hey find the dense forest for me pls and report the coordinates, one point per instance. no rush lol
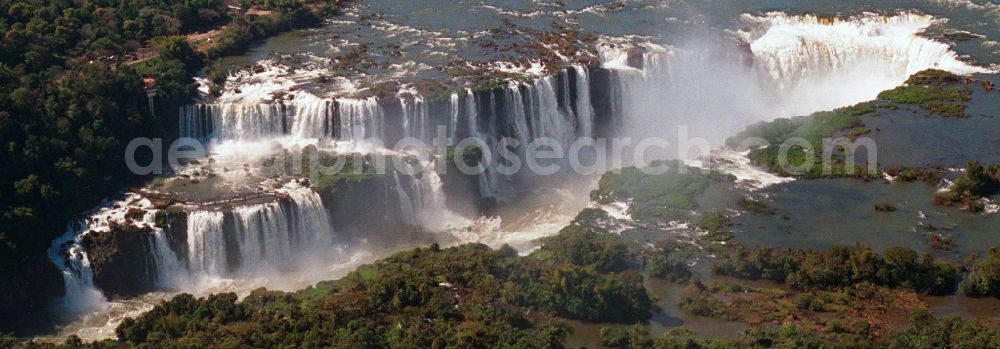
(896, 267)
(64, 134)
(471, 296)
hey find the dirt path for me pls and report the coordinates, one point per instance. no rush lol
(190, 38)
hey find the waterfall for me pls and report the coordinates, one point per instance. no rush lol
(169, 270)
(516, 116)
(624, 85)
(263, 234)
(237, 121)
(546, 118)
(306, 116)
(310, 117)
(488, 187)
(416, 122)
(195, 121)
(433, 212)
(360, 119)
(423, 201)
(218, 243)
(797, 48)
(406, 205)
(67, 253)
(271, 234)
(584, 108)
(454, 107)
(819, 64)
(472, 113)
(790, 65)
(206, 243)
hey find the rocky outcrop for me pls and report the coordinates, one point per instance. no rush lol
(173, 221)
(121, 259)
(366, 208)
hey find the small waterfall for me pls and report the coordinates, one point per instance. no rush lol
(168, 268)
(546, 118)
(624, 83)
(416, 121)
(195, 121)
(206, 243)
(488, 186)
(68, 254)
(310, 117)
(516, 117)
(406, 205)
(455, 108)
(423, 200)
(433, 211)
(360, 119)
(584, 108)
(472, 112)
(491, 119)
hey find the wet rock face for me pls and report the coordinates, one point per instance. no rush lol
(602, 101)
(173, 221)
(463, 194)
(365, 209)
(120, 259)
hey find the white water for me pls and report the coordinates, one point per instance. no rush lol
(801, 64)
(832, 64)
(455, 108)
(416, 118)
(360, 119)
(546, 119)
(584, 108)
(81, 294)
(67, 252)
(206, 243)
(472, 113)
(268, 235)
(304, 117)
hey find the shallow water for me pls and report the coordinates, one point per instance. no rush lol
(912, 137)
(828, 212)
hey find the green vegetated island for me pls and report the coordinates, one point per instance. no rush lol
(63, 136)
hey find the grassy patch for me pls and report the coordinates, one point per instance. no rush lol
(656, 197)
(932, 90)
(801, 161)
